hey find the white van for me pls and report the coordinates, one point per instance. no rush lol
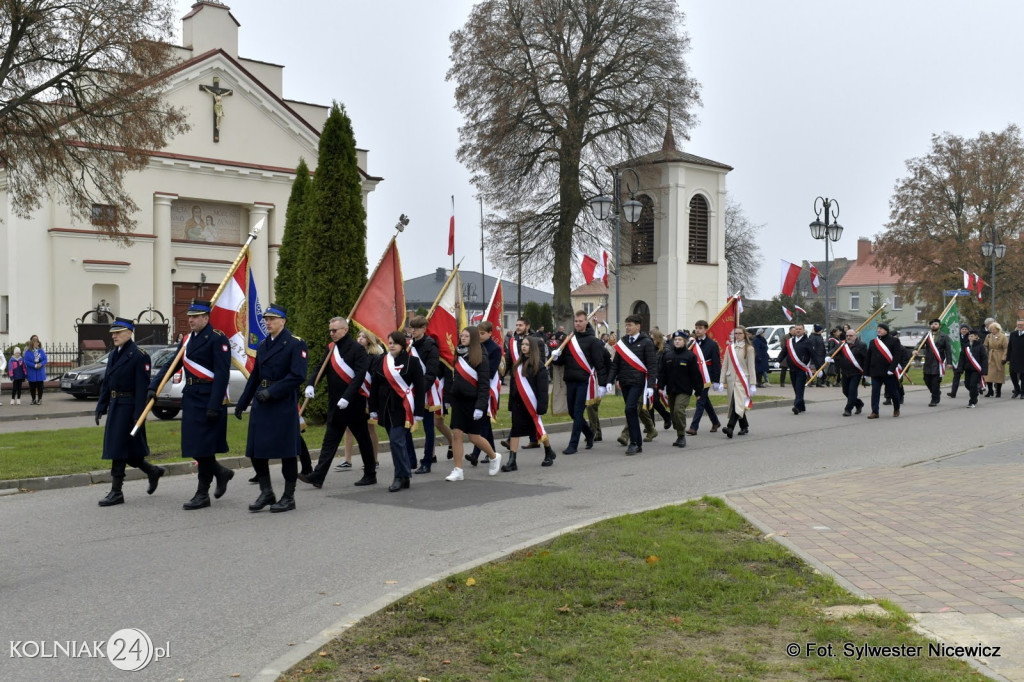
(775, 335)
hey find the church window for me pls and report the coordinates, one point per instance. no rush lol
(643, 233)
(698, 230)
(104, 215)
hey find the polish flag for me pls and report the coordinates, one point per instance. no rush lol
(815, 279)
(969, 279)
(451, 230)
(594, 269)
(796, 307)
(447, 317)
(979, 284)
(237, 312)
(789, 315)
(790, 273)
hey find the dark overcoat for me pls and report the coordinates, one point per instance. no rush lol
(122, 399)
(280, 368)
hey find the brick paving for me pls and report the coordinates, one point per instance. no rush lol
(932, 539)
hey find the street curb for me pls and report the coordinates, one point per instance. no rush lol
(241, 462)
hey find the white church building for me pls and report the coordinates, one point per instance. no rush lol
(674, 270)
(198, 197)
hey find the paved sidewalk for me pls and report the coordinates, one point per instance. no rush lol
(943, 540)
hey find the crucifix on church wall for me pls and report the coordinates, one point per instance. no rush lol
(218, 93)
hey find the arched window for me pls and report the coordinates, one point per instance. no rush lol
(643, 233)
(698, 230)
(644, 311)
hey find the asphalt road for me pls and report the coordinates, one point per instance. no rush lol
(233, 592)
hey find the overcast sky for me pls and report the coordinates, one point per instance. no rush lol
(801, 98)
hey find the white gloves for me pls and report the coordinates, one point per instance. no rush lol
(753, 390)
(609, 389)
(419, 419)
(648, 395)
(829, 360)
(310, 392)
(341, 403)
(600, 392)
(447, 406)
(889, 373)
(717, 387)
(555, 354)
(373, 416)
(478, 414)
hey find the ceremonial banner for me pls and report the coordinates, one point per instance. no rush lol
(381, 305)
(451, 230)
(494, 314)
(950, 324)
(445, 318)
(237, 312)
(723, 324)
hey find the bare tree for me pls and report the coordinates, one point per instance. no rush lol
(551, 89)
(741, 249)
(961, 193)
(80, 105)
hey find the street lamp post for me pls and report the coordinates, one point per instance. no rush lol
(830, 231)
(993, 250)
(604, 208)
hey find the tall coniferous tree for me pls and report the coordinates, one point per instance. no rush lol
(332, 264)
(288, 287)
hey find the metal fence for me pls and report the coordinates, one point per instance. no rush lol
(60, 357)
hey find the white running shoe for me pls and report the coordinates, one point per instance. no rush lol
(495, 465)
(455, 475)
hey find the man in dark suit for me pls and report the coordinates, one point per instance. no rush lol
(1015, 356)
(958, 369)
(123, 398)
(938, 354)
(204, 419)
(346, 405)
(798, 353)
(851, 360)
(281, 363)
(883, 363)
(818, 353)
(635, 366)
(583, 363)
(713, 361)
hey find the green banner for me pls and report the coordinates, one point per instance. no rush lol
(951, 326)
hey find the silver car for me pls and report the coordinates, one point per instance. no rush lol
(168, 401)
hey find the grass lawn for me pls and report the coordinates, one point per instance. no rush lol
(28, 454)
(688, 592)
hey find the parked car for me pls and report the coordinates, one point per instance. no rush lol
(84, 382)
(168, 401)
(775, 335)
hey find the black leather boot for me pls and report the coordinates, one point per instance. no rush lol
(549, 456)
(425, 465)
(398, 484)
(510, 465)
(114, 496)
(266, 494)
(153, 473)
(287, 501)
(202, 497)
(223, 475)
(369, 478)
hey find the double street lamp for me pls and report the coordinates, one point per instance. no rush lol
(993, 250)
(604, 207)
(830, 231)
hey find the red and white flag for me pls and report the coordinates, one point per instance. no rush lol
(790, 273)
(815, 279)
(796, 307)
(789, 315)
(594, 268)
(451, 230)
(494, 313)
(979, 284)
(445, 318)
(238, 314)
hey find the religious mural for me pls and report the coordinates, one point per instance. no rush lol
(200, 221)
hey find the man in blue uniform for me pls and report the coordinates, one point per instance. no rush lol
(123, 398)
(281, 363)
(204, 419)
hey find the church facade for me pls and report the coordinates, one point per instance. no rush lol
(673, 266)
(198, 197)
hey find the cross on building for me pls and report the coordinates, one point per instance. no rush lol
(218, 93)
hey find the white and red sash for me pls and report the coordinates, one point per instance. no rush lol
(937, 355)
(341, 368)
(794, 358)
(364, 390)
(530, 401)
(740, 375)
(513, 349)
(701, 362)
(494, 390)
(663, 398)
(399, 386)
(193, 366)
(887, 354)
(975, 364)
(849, 356)
(633, 361)
(466, 371)
(433, 398)
(581, 359)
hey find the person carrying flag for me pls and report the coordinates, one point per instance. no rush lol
(204, 418)
(884, 368)
(635, 368)
(585, 377)
(938, 355)
(709, 359)
(424, 348)
(798, 353)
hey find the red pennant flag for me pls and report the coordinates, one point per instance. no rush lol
(451, 230)
(723, 324)
(796, 307)
(494, 313)
(381, 306)
(790, 273)
(815, 280)
(789, 315)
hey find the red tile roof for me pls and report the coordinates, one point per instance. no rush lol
(864, 272)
